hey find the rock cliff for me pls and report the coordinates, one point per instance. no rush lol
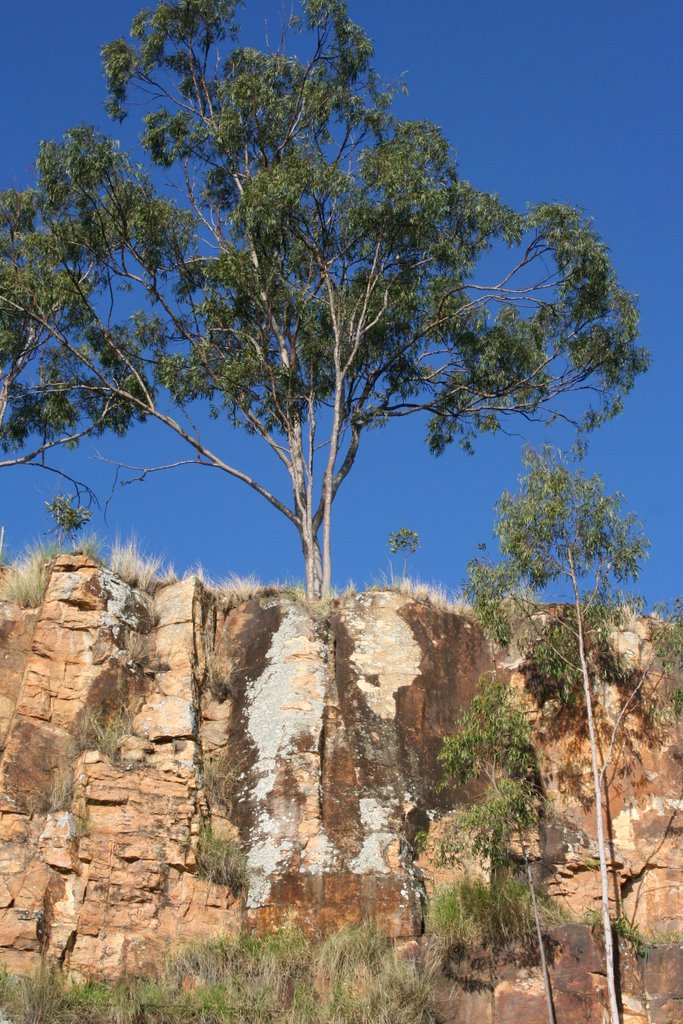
(309, 737)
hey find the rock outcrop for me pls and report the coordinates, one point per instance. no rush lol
(309, 738)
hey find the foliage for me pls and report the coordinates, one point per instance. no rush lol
(68, 517)
(221, 861)
(473, 912)
(26, 580)
(492, 740)
(555, 515)
(668, 639)
(318, 275)
(562, 528)
(406, 541)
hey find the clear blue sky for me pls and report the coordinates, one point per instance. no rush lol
(569, 102)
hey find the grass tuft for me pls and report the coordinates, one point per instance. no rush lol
(103, 730)
(26, 580)
(219, 680)
(62, 792)
(221, 861)
(145, 572)
(429, 593)
(221, 779)
(473, 913)
(90, 545)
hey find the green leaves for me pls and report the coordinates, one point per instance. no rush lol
(559, 523)
(304, 258)
(492, 741)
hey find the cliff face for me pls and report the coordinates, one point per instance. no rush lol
(310, 738)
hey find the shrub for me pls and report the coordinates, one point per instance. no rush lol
(221, 861)
(26, 580)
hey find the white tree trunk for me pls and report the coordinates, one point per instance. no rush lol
(599, 822)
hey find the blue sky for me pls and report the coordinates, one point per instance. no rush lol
(577, 103)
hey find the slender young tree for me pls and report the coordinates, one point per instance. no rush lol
(492, 741)
(308, 268)
(561, 528)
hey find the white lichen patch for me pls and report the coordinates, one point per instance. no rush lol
(120, 609)
(385, 653)
(284, 709)
(375, 819)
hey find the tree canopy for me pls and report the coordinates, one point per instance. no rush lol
(314, 271)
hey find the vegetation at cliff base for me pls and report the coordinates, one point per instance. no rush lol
(354, 977)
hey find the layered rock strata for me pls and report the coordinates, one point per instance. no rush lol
(309, 738)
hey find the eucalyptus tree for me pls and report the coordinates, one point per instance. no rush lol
(299, 261)
(562, 528)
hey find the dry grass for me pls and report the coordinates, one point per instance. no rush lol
(138, 649)
(90, 545)
(429, 593)
(219, 679)
(62, 792)
(353, 977)
(104, 730)
(221, 861)
(221, 779)
(145, 572)
(26, 580)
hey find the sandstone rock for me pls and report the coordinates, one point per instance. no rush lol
(312, 743)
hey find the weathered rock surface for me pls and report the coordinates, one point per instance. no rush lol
(324, 731)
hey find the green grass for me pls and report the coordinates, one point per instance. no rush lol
(473, 913)
(353, 977)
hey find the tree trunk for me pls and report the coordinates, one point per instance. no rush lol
(599, 824)
(313, 564)
(550, 1006)
(327, 544)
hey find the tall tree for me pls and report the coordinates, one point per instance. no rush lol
(561, 528)
(312, 274)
